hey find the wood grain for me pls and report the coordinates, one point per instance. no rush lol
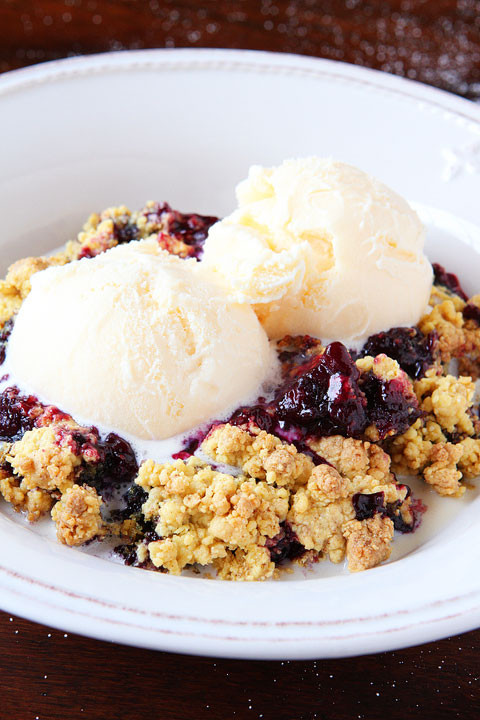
(48, 675)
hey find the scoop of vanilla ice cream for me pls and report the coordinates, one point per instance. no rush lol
(137, 340)
(321, 248)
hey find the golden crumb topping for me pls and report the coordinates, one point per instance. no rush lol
(262, 456)
(273, 499)
(354, 457)
(448, 399)
(200, 512)
(447, 322)
(441, 471)
(17, 284)
(77, 515)
(42, 462)
(368, 542)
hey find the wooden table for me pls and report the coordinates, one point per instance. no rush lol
(46, 674)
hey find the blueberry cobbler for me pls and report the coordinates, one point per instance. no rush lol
(286, 447)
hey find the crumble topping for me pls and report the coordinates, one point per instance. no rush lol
(34, 503)
(354, 457)
(17, 284)
(204, 516)
(448, 399)
(321, 512)
(330, 493)
(441, 446)
(201, 513)
(368, 542)
(252, 564)
(262, 456)
(77, 515)
(441, 471)
(447, 322)
(382, 367)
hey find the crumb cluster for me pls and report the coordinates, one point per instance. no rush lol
(208, 517)
(443, 445)
(305, 476)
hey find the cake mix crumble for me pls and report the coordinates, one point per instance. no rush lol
(305, 474)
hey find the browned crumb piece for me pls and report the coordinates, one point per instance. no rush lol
(328, 484)
(442, 473)
(77, 515)
(457, 329)
(309, 558)
(304, 344)
(10, 490)
(354, 457)
(193, 546)
(469, 366)
(424, 450)
(368, 542)
(447, 322)
(447, 403)
(150, 221)
(200, 514)
(262, 456)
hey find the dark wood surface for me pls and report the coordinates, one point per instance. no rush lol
(46, 674)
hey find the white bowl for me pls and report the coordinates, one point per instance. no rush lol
(184, 126)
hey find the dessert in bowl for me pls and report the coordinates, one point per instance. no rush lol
(251, 388)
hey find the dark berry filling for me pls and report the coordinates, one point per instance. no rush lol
(129, 553)
(125, 232)
(106, 463)
(86, 252)
(366, 505)
(472, 312)
(190, 445)
(448, 280)
(261, 415)
(393, 512)
(390, 405)
(18, 414)
(191, 228)
(413, 350)
(325, 397)
(285, 545)
(135, 497)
